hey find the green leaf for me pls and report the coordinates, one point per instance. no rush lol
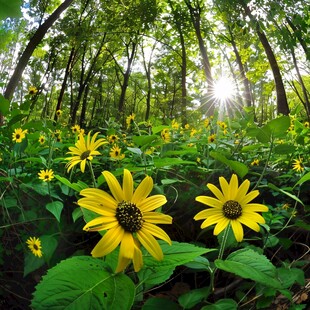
(248, 264)
(135, 150)
(76, 214)
(279, 126)
(143, 140)
(156, 303)
(55, 208)
(4, 103)
(289, 276)
(76, 186)
(10, 8)
(155, 272)
(272, 186)
(222, 304)
(284, 149)
(238, 167)
(82, 282)
(163, 162)
(193, 297)
(303, 179)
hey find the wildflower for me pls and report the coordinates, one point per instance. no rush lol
(150, 150)
(175, 124)
(306, 124)
(165, 135)
(193, 132)
(211, 138)
(46, 175)
(58, 113)
(115, 153)
(128, 217)
(113, 139)
(19, 134)
(84, 149)
(42, 139)
(298, 165)
(231, 207)
(76, 129)
(294, 213)
(255, 162)
(130, 119)
(32, 90)
(34, 244)
(206, 122)
(286, 206)
(186, 126)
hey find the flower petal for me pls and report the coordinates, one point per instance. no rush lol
(206, 213)
(150, 244)
(127, 246)
(247, 198)
(210, 201)
(220, 226)
(137, 257)
(242, 190)
(225, 188)
(156, 231)
(216, 218)
(101, 223)
(108, 242)
(249, 223)
(143, 190)
(233, 187)
(100, 196)
(82, 166)
(255, 207)
(252, 216)
(114, 186)
(237, 229)
(151, 203)
(127, 185)
(157, 218)
(218, 194)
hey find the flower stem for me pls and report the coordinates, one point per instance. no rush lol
(92, 173)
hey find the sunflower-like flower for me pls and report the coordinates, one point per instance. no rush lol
(32, 90)
(165, 135)
(42, 139)
(211, 138)
(128, 217)
(85, 148)
(298, 165)
(46, 175)
(58, 113)
(231, 207)
(115, 153)
(113, 139)
(255, 162)
(34, 244)
(18, 135)
(130, 119)
(76, 129)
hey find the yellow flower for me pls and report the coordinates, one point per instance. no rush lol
(58, 113)
(286, 206)
(42, 139)
(297, 165)
(231, 207)
(255, 162)
(76, 129)
(150, 150)
(165, 135)
(113, 139)
(34, 244)
(129, 218)
(130, 119)
(186, 126)
(175, 124)
(193, 132)
(46, 175)
(84, 149)
(206, 122)
(18, 135)
(32, 90)
(306, 124)
(115, 153)
(211, 138)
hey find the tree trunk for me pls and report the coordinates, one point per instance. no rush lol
(32, 44)
(282, 105)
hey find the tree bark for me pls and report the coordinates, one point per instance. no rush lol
(32, 44)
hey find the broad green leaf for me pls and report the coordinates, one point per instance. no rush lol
(238, 167)
(249, 264)
(155, 303)
(284, 149)
(55, 208)
(166, 162)
(264, 134)
(10, 8)
(222, 304)
(272, 186)
(76, 186)
(303, 179)
(76, 214)
(135, 150)
(82, 282)
(4, 103)
(279, 126)
(199, 262)
(193, 297)
(288, 276)
(143, 140)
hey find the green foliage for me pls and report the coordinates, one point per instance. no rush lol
(81, 282)
(10, 8)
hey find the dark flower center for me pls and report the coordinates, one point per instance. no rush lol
(85, 154)
(232, 209)
(46, 176)
(116, 153)
(17, 136)
(35, 247)
(129, 216)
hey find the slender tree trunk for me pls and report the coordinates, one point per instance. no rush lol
(282, 105)
(32, 44)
